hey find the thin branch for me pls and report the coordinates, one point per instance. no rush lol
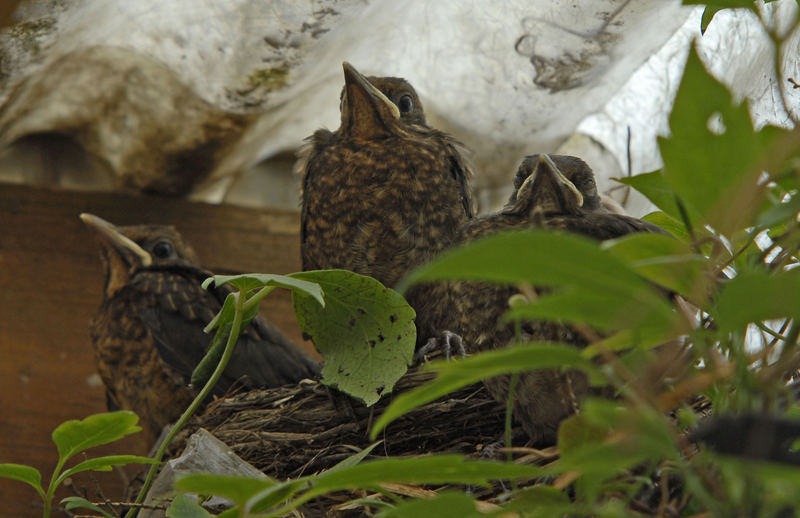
(205, 392)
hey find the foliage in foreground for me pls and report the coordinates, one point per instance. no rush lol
(731, 197)
(71, 438)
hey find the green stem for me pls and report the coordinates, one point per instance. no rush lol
(256, 299)
(763, 327)
(51, 489)
(205, 392)
(789, 341)
(687, 223)
(512, 385)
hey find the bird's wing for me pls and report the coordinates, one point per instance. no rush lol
(305, 156)
(601, 225)
(175, 318)
(462, 173)
(263, 356)
(269, 358)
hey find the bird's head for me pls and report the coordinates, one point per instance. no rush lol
(127, 250)
(373, 107)
(556, 184)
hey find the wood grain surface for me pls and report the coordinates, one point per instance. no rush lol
(50, 286)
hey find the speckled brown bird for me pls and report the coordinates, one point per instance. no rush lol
(384, 192)
(148, 332)
(565, 197)
(556, 192)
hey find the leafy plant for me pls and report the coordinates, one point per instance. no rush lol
(365, 332)
(238, 309)
(270, 498)
(343, 311)
(730, 195)
(71, 438)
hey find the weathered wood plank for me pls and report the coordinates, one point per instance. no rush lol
(50, 286)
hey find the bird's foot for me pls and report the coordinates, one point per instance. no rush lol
(493, 451)
(447, 342)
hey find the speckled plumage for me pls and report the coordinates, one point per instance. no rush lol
(542, 398)
(384, 192)
(148, 332)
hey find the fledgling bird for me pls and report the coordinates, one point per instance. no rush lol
(148, 332)
(567, 197)
(555, 192)
(385, 192)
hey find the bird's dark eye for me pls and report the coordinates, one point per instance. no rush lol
(163, 249)
(405, 103)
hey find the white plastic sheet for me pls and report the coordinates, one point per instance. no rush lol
(507, 78)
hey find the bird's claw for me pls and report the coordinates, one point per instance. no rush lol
(447, 341)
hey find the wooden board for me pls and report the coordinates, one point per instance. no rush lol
(50, 286)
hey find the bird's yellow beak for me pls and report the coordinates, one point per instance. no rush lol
(367, 110)
(546, 169)
(115, 237)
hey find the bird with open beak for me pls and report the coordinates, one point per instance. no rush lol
(148, 332)
(384, 192)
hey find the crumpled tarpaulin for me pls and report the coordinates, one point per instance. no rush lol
(197, 93)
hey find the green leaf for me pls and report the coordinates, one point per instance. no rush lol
(77, 502)
(663, 260)
(668, 223)
(183, 506)
(22, 473)
(655, 188)
(725, 4)
(541, 256)
(597, 309)
(236, 488)
(715, 174)
(105, 464)
(753, 296)
(223, 323)
(208, 364)
(540, 502)
(588, 277)
(627, 339)
(576, 431)
(272, 496)
(779, 213)
(714, 6)
(708, 15)
(74, 436)
(365, 332)
(355, 459)
(593, 286)
(225, 314)
(632, 435)
(247, 282)
(449, 503)
(456, 374)
(434, 469)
